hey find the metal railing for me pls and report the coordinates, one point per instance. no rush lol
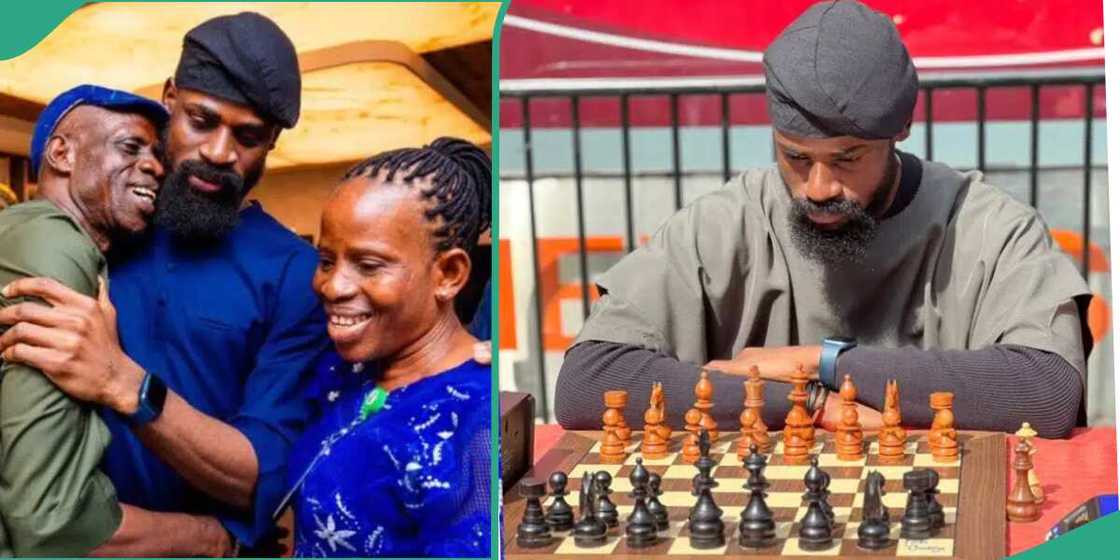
(521, 93)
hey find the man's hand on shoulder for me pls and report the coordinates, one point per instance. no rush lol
(774, 363)
(74, 342)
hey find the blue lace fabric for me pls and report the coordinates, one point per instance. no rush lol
(411, 480)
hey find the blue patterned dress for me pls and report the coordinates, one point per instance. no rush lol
(411, 480)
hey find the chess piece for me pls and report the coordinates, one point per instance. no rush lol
(639, 483)
(655, 435)
(560, 516)
(533, 531)
(752, 428)
(1021, 506)
(704, 464)
(892, 436)
(605, 509)
(659, 511)
(916, 522)
(589, 532)
(612, 451)
(816, 487)
(641, 526)
(816, 529)
(1028, 434)
(705, 522)
(798, 436)
(756, 522)
(936, 512)
(690, 449)
(874, 529)
(613, 417)
(942, 435)
(849, 434)
(704, 392)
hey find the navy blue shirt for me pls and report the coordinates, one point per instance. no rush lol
(234, 329)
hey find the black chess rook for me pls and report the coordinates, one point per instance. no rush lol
(533, 532)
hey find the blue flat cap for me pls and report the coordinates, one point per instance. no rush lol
(87, 94)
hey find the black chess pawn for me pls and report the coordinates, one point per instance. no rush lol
(874, 529)
(705, 522)
(589, 532)
(936, 512)
(916, 522)
(605, 509)
(659, 511)
(533, 531)
(641, 526)
(560, 516)
(756, 522)
(639, 480)
(815, 532)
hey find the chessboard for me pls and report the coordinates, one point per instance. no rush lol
(972, 493)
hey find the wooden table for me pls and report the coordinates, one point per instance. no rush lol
(1071, 470)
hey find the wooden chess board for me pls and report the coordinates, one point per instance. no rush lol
(972, 492)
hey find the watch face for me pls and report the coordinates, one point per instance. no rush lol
(156, 395)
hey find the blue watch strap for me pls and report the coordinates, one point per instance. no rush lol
(831, 348)
(153, 393)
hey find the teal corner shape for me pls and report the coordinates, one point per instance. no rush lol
(1093, 540)
(27, 23)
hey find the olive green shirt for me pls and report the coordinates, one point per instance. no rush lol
(53, 499)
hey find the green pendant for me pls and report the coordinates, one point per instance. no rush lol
(373, 402)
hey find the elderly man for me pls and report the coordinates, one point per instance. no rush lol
(847, 257)
(218, 326)
(95, 152)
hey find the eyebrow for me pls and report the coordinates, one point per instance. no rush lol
(791, 150)
(210, 113)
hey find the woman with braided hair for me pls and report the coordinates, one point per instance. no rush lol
(397, 462)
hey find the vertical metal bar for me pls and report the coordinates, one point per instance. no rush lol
(526, 132)
(981, 116)
(929, 124)
(577, 160)
(16, 166)
(725, 128)
(1087, 186)
(675, 123)
(626, 172)
(1034, 144)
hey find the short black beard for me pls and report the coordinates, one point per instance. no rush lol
(194, 216)
(848, 243)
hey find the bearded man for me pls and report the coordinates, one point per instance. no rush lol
(847, 257)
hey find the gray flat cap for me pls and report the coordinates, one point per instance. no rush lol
(840, 69)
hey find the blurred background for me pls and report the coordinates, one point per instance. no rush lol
(375, 77)
(615, 114)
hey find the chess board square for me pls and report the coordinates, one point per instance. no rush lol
(911, 447)
(635, 443)
(679, 472)
(568, 546)
(577, 472)
(833, 460)
(924, 460)
(784, 499)
(631, 459)
(791, 548)
(926, 547)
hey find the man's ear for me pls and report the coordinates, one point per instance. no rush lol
(170, 94)
(59, 155)
(452, 269)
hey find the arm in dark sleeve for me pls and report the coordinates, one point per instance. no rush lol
(995, 388)
(275, 409)
(594, 367)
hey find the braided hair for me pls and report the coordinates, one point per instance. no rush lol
(460, 186)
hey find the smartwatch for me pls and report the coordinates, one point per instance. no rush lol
(831, 349)
(153, 393)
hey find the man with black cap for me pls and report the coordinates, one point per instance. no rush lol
(95, 152)
(218, 328)
(847, 257)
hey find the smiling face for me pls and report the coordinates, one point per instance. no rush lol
(114, 167)
(217, 151)
(382, 283)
